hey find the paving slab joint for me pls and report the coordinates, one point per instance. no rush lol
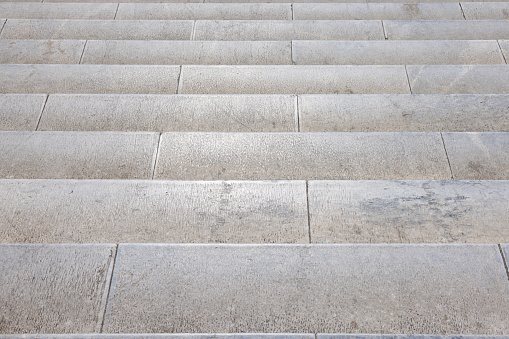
(179, 80)
(83, 52)
(293, 14)
(116, 11)
(40, 113)
(193, 31)
(462, 11)
(156, 156)
(447, 155)
(309, 215)
(2, 28)
(501, 52)
(106, 297)
(297, 114)
(408, 80)
(504, 261)
(385, 32)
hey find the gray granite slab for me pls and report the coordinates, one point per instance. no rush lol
(485, 10)
(41, 51)
(34, 10)
(20, 112)
(504, 46)
(166, 336)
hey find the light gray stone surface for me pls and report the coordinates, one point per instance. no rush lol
(404, 112)
(170, 336)
(34, 10)
(485, 10)
(504, 46)
(289, 30)
(379, 336)
(103, 79)
(409, 211)
(294, 79)
(98, 29)
(41, 51)
(478, 156)
(306, 288)
(77, 155)
(20, 112)
(191, 52)
(162, 113)
(98, 211)
(54, 288)
(396, 52)
(192, 11)
(253, 156)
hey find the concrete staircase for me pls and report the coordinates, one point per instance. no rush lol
(290, 170)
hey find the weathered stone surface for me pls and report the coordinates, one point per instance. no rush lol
(409, 211)
(54, 288)
(505, 252)
(41, 51)
(88, 79)
(132, 211)
(162, 113)
(309, 288)
(294, 79)
(126, 52)
(289, 30)
(504, 46)
(34, 10)
(77, 155)
(173, 336)
(253, 156)
(478, 156)
(19, 112)
(403, 112)
(486, 10)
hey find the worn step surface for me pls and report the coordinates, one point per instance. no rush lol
(447, 29)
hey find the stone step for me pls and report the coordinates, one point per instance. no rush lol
(485, 11)
(245, 336)
(39, 10)
(20, 112)
(41, 51)
(258, 1)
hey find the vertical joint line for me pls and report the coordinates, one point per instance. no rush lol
(309, 215)
(3, 25)
(385, 32)
(408, 80)
(83, 53)
(293, 15)
(155, 156)
(103, 321)
(40, 114)
(115, 17)
(297, 111)
(447, 156)
(291, 52)
(501, 53)
(462, 11)
(180, 80)
(193, 30)
(504, 261)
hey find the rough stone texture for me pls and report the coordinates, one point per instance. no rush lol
(469, 79)
(175, 336)
(163, 113)
(77, 155)
(19, 112)
(192, 52)
(485, 11)
(294, 79)
(186, 11)
(252, 156)
(403, 112)
(289, 30)
(53, 288)
(41, 51)
(306, 288)
(34, 10)
(504, 46)
(409, 211)
(478, 156)
(447, 30)
(98, 29)
(397, 52)
(88, 79)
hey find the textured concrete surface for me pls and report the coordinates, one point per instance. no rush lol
(163, 113)
(505, 253)
(20, 112)
(478, 156)
(102, 79)
(469, 79)
(172, 336)
(92, 211)
(252, 156)
(294, 79)
(53, 288)
(504, 46)
(34, 10)
(192, 52)
(409, 211)
(328, 289)
(485, 11)
(403, 112)
(41, 51)
(289, 30)
(397, 52)
(77, 155)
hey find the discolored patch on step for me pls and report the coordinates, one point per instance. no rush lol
(41, 51)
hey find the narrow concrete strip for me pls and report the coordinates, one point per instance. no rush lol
(254, 156)
(311, 288)
(380, 336)
(97, 211)
(88, 79)
(478, 156)
(167, 336)
(76, 155)
(486, 10)
(164, 113)
(20, 10)
(294, 79)
(404, 112)
(52, 288)
(129, 52)
(504, 46)
(396, 52)
(41, 51)
(19, 112)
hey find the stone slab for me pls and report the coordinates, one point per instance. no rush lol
(459, 79)
(21, 10)
(263, 156)
(309, 288)
(102, 79)
(77, 155)
(41, 51)
(289, 30)
(478, 156)
(20, 112)
(396, 52)
(504, 46)
(404, 112)
(129, 52)
(486, 10)
(54, 288)
(202, 11)
(294, 79)
(505, 253)
(125, 211)
(167, 336)
(98, 29)
(163, 113)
